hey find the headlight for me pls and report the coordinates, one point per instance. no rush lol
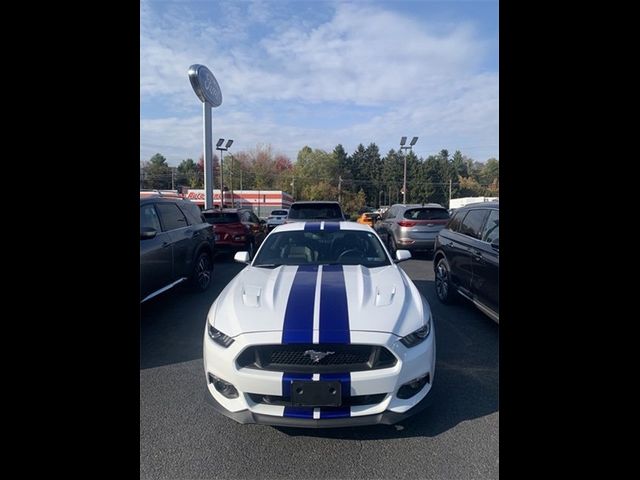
(418, 336)
(219, 337)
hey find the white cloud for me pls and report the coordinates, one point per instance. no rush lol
(424, 79)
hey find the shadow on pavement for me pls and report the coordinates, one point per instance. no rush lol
(172, 324)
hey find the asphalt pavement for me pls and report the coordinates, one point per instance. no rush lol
(181, 437)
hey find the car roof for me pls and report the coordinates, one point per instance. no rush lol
(418, 205)
(492, 203)
(225, 210)
(297, 226)
(315, 202)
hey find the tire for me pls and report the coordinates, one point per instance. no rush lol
(444, 289)
(202, 272)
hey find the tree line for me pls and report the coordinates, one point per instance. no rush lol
(364, 178)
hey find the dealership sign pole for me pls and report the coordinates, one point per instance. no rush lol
(208, 91)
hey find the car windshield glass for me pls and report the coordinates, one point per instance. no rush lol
(343, 247)
(426, 214)
(279, 212)
(320, 211)
(221, 217)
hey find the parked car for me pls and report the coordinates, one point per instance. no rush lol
(236, 229)
(412, 227)
(315, 211)
(321, 329)
(277, 217)
(368, 218)
(467, 257)
(176, 245)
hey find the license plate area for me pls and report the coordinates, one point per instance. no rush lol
(316, 394)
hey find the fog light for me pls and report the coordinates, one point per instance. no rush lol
(408, 390)
(224, 388)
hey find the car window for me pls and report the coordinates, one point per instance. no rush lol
(343, 247)
(315, 211)
(426, 214)
(491, 230)
(473, 222)
(221, 217)
(454, 224)
(149, 217)
(171, 216)
(192, 212)
(391, 213)
(279, 212)
(253, 217)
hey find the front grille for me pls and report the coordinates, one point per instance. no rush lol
(292, 358)
(346, 402)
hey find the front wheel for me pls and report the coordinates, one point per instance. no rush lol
(202, 272)
(444, 289)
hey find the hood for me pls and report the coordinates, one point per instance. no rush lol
(326, 301)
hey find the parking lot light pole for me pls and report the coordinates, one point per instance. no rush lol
(223, 149)
(403, 140)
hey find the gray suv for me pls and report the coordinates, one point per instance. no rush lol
(176, 245)
(412, 227)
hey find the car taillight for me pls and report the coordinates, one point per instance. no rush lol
(407, 223)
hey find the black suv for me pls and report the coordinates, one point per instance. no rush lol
(315, 211)
(176, 244)
(467, 257)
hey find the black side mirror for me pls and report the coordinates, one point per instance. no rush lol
(496, 244)
(147, 232)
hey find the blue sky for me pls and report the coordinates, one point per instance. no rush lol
(319, 73)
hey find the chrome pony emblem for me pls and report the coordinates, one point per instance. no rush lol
(317, 356)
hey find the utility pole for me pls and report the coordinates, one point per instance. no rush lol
(340, 189)
(172, 184)
(449, 193)
(293, 188)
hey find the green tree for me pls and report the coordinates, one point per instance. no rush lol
(156, 173)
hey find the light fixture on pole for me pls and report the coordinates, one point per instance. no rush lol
(223, 149)
(403, 140)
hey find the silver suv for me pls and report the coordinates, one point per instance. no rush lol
(412, 227)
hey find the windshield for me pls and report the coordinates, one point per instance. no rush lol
(343, 247)
(427, 214)
(221, 217)
(279, 212)
(320, 211)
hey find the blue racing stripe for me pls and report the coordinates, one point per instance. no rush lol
(298, 317)
(295, 412)
(345, 382)
(334, 314)
(331, 226)
(312, 226)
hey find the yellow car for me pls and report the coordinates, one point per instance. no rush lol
(368, 219)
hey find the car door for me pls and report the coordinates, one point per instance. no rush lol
(175, 223)
(461, 244)
(257, 228)
(156, 254)
(486, 262)
(385, 224)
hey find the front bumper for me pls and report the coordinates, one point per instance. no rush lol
(411, 363)
(385, 418)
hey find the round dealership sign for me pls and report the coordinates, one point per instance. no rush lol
(205, 85)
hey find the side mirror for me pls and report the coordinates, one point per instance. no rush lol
(496, 244)
(402, 255)
(147, 232)
(242, 257)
